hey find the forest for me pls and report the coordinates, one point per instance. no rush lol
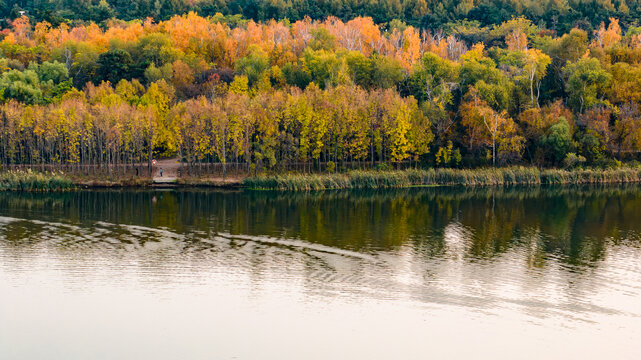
(322, 94)
(556, 15)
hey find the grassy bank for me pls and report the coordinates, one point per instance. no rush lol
(37, 181)
(447, 177)
(34, 181)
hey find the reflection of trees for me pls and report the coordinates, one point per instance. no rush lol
(572, 223)
(493, 224)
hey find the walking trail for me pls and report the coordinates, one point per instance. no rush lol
(169, 171)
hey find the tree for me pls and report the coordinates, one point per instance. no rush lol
(113, 66)
(385, 72)
(434, 79)
(240, 85)
(568, 48)
(21, 86)
(359, 69)
(398, 125)
(607, 38)
(80, 59)
(157, 48)
(326, 68)
(55, 72)
(485, 126)
(183, 79)
(254, 66)
(586, 83)
(558, 140)
(627, 129)
(596, 132)
(626, 83)
(480, 72)
(475, 67)
(536, 63)
(156, 103)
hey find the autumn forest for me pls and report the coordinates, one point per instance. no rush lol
(324, 92)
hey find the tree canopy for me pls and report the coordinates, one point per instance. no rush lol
(271, 93)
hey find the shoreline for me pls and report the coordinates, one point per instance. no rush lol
(28, 181)
(151, 184)
(482, 177)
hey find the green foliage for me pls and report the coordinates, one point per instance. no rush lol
(572, 160)
(113, 66)
(54, 72)
(297, 75)
(468, 16)
(385, 72)
(591, 146)
(326, 68)
(448, 156)
(322, 39)
(331, 166)
(153, 73)
(34, 181)
(23, 86)
(558, 141)
(434, 79)
(254, 65)
(157, 48)
(475, 67)
(586, 83)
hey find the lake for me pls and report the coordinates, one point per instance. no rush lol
(421, 273)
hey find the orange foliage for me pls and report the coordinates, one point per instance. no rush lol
(217, 42)
(606, 38)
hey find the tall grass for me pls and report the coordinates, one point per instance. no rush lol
(34, 181)
(466, 177)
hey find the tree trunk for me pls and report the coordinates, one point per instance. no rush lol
(494, 150)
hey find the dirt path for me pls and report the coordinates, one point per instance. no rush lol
(169, 168)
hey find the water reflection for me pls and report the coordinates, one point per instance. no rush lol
(572, 225)
(553, 258)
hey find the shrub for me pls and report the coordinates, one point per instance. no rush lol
(34, 181)
(384, 166)
(331, 166)
(572, 160)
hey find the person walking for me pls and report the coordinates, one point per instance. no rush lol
(160, 172)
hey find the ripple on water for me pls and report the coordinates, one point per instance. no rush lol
(450, 267)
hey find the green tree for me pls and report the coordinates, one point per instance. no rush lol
(326, 68)
(586, 83)
(21, 86)
(558, 141)
(254, 66)
(385, 72)
(55, 72)
(156, 48)
(113, 66)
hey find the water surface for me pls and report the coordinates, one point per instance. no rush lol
(407, 274)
